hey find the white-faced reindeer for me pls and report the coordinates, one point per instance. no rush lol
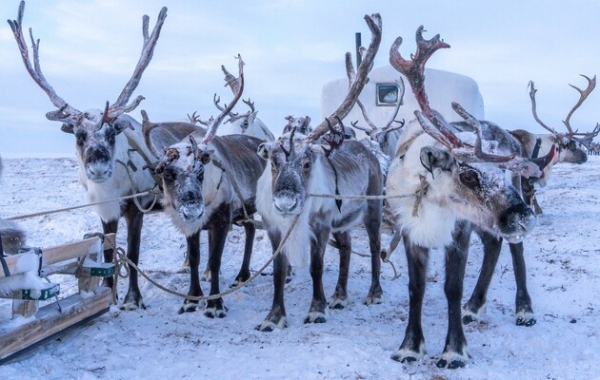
(211, 185)
(301, 168)
(441, 183)
(108, 143)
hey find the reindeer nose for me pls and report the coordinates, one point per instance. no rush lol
(517, 222)
(189, 196)
(285, 204)
(98, 173)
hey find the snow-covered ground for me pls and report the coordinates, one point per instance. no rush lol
(563, 258)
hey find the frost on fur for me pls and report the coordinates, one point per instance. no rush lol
(12, 235)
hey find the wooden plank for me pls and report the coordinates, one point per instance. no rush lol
(29, 261)
(50, 321)
(21, 263)
(64, 252)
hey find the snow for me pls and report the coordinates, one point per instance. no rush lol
(356, 342)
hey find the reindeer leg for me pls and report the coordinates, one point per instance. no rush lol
(193, 254)
(524, 310)
(413, 345)
(455, 351)
(135, 219)
(109, 254)
(206, 274)
(372, 222)
(316, 312)
(276, 317)
(244, 273)
(475, 307)
(220, 223)
(340, 296)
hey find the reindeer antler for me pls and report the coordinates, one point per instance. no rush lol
(212, 129)
(374, 129)
(583, 95)
(375, 25)
(120, 106)
(65, 111)
(414, 70)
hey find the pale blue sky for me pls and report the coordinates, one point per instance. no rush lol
(291, 49)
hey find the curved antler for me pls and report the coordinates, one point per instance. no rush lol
(414, 71)
(532, 91)
(375, 25)
(212, 129)
(65, 112)
(583, 94)
(120, 106)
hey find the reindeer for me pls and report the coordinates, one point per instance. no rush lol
(387, 136)
(569, 145)
(442, 183)
(300, 167)
(299, 124)
(208, 186)
(109, 148)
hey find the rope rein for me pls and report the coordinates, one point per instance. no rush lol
(124, 259)
(49, 212)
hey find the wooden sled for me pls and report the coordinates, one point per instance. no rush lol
(31, 324)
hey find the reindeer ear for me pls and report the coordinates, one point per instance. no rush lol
(251, 117)
(263, 151)
(121, 124)
(432, 157)
(68, 128)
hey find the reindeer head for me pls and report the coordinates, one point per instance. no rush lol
(299, 124)
(182, 165)
(569, 143)
(464, 174)
(95, 131)
(182, 169)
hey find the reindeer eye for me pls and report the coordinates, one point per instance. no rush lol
(306, 166)
(469, 178)
(80, 136)
(110, 136)
(169, 174)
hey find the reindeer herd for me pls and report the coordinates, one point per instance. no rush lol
(435, 182)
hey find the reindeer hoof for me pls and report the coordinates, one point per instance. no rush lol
(453, 360)
(469, 318)
(268, 326)
(131, 306)
(188, 308)
(526, 319)
(404, 355)
(131, 303)
(212, 312)
(338, 303)
(315, 317)
(454, 364)
(373, 300)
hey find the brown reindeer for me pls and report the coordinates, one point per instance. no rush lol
(209, 182)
